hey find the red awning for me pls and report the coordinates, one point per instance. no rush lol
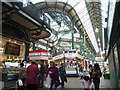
(41, 50)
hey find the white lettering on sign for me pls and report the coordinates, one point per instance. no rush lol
(38, 58)
(44, 53)
(31, 54)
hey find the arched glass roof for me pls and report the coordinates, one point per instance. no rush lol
(91, 13)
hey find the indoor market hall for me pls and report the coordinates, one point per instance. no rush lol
(59, 44)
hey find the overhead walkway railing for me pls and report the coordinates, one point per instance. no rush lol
(30, 9)
(33, 11)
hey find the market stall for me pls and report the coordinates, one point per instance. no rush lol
(106, 73)
(10, 75)
(38, 55)
(71, 59)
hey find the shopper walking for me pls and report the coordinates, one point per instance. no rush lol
(41, 76)
(62, 74)
(53, 72)
(22, 76)
(90, 71)
(32, 72)
(81, 71)
(96, 74)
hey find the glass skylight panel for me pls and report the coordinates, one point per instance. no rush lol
(52, 37)
(66, 28)
(76, 29)
(104, 9)
(62, 23)
(73, 3)
(48, 16)
(41, 40)
(61, 29)
(87, 23)
(77, 8)
(80, 6)
(77, 35)
(37, 1)
(62, 0)
(67, 36)
(54, 23)
(50, 44)
(50, 0)
(104, 14)
(84, 17)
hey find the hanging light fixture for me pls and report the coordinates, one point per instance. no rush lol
(9, 40)
(98, 39)
(96, 30)
(14, 41)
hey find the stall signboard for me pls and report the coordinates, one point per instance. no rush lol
(68, 54)
(12, 49)
(38, 54)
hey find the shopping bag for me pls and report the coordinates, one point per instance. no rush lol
(65, 79)
(19, 82)
(57, 83)
(47, 82)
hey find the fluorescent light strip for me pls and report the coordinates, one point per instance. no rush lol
(29, 17)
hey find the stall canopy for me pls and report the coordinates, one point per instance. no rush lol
(38, 54)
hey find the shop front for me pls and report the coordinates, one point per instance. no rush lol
(38, 55)
(113, 43)
(12, 52)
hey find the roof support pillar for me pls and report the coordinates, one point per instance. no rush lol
(33, 45)
(72, 32)
(27, 45)
(80, 33)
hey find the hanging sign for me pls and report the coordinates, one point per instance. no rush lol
(38, 54)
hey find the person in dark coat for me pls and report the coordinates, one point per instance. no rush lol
(62, 74)
(96, 74)
(41, 76)
(81, 71)
(32, 80)
(54, 74)
(90, 71)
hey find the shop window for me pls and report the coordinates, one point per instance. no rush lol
(15, 57)
(7, 57)
(11, 57)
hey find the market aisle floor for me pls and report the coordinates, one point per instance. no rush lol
(105, 83)
(75, 82)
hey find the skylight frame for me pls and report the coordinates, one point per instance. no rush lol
(81, 6)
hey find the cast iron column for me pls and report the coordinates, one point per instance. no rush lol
(72, 31)
(27, 45)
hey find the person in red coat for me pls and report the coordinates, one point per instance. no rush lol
(54, 74)
(32, 72)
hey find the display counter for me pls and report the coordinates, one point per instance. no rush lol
(106, 74)
(9, 77)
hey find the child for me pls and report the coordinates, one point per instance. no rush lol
(86, 83)
(84, 74)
